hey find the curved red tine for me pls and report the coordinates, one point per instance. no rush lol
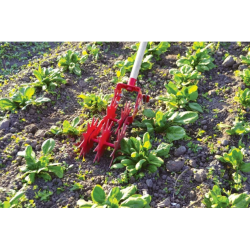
(120, 136)
(102, 139)
(124, 115)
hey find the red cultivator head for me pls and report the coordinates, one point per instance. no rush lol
(105, 125)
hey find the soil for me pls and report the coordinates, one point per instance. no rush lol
(220, 84)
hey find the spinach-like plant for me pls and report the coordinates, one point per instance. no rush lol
(167, 122)
(40, 167)
(198, 45)
(117, 198)
(185, 76)
(43, 195)
(176, 98)
(214, 199)
(153, 49)
(94, 102)
(245, 59)
(48, 78)
(199, 60)
(68, 128)
(243, 97)
(71, 61)
(23, 97)
(245, 75)
(239, 128)
(137, 157)
(94, 51)
(235, 158)
(14, 200)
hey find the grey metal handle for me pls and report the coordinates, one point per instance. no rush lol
(138, 60)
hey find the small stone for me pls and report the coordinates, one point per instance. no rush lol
(175, 166)
(200, 175)
(193, 163)
(32, 128)
(4, 124)
(192, 195)
(241, 67)
(165, 203)
(69, 82)
(149, 183)
(26, 79)
(45, 64)
(13, 130)
(203, 122)
(224, 142)
(40, 133)
(180, 151)
(228, 62)
(32, 111)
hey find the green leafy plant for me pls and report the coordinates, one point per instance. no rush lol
(40, 167)
(23, 97)
(166, 122)
(124, 198)
(137, 157)
(71, 61)
(153, 48)
(94, 51)
(243, 97)
(235, 158)
(198, 45)
(43, 195)
(200, 60)
(76, 186)
(14, 200)
(194, 147)
(185, 76)
(94, 102)
(238, 128)
(245, 75)
(48, 78)
(245, 59)
(176, 99)
(214, 199)
(68, 128)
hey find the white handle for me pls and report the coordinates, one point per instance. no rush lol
(138, 60)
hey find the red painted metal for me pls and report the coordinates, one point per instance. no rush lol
(105, 125)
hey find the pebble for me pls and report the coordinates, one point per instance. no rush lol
(149, 183)
(175, 166)
(180, 151)
(4, 124)
(228, 62)
(224, 142)
(200, 175)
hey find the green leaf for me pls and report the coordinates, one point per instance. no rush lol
(134, 202)
(30, 178)
(16, 197)
(57, 170)
(175, 133)
(7, 104)
(48, 146)
(98, 195)
(195, 106)
(117, 166)
(186, 117)
(171, 88)
(239, 200)
(138, 165)
(125, 146)
(151, 168)
(128, 191)
(245, 167)
(75, 122)
(114, 193)
(45, 176)
(149, 113)
(84, 204)
(163, 149)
